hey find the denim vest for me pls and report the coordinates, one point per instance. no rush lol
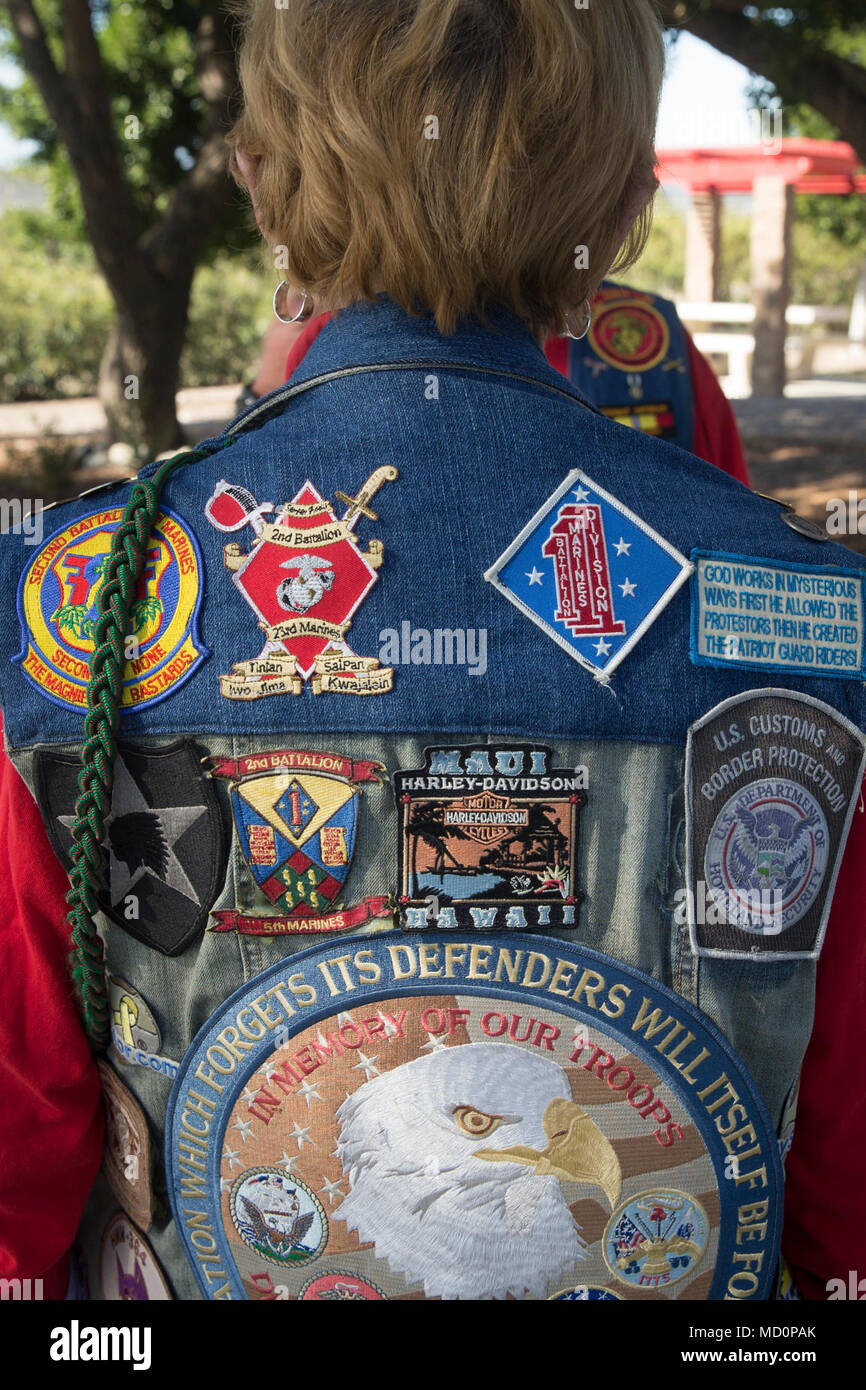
(457, 748)
(634, 363)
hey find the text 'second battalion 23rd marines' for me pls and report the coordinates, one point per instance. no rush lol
(434, 976)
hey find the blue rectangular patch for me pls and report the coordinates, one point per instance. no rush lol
(771, 615)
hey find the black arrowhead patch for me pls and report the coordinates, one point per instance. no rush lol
(165, 839)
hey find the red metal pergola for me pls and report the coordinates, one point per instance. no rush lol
(810, 166)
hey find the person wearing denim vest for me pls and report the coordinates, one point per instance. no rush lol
(458, 730)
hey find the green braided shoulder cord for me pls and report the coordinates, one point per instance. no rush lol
(96, 778)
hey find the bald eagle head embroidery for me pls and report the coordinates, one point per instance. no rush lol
(462, 1165)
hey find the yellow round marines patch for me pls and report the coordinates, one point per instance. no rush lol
(630, 334)
(57, 607)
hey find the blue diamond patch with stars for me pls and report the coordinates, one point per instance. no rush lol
(297, 808)
(590, 573)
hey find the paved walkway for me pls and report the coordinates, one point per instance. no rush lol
(199, 409)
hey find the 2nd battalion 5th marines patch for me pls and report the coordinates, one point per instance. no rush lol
(488, 839)
(434, 1117)
(296, 818)
(772, 781)
(57, 606)
(304, 578)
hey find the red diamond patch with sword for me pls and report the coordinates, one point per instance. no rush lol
(304, 577)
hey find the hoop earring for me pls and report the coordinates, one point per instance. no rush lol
(579, 337)
(304, 313)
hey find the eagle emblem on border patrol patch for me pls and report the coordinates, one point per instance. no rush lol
(57, 606)
(590, 573)
(304, 577)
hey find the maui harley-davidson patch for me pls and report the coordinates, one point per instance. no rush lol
(304, 577)
(488, 839)
(430, 1117)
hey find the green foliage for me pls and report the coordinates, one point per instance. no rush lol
(143, 611)
(55, 313)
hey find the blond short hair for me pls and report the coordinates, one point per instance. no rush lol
(455, 153)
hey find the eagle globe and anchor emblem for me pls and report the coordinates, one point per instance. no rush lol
(305, 576)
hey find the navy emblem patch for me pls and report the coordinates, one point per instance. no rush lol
(772, 780)
(488, 839)
(590, 573)
(296, 817)
(164, 838)
(126, 1161)
(767, 615)
(128, 1268)
(468, 1119)
(135, 1033)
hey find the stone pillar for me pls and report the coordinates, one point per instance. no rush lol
(704, 247)
(772, 223)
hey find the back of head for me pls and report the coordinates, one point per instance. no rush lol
(452, 153)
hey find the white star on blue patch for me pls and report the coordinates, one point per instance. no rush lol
(567, 573)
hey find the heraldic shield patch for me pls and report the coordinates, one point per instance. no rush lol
(772, 780)
(165, 841)
(425, 1117)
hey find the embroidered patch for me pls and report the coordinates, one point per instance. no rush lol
(166, 845)
(126, 1160)
(128, 1268)
(590, 573)
(469, 1120)
(768, 615)
(296, 817)
(57, 597)
(339, 1287)
(586, 1293)
(304, 577)
(772, 780)
(657, 420)
(488, 839)
(629, 333)
(135, 1033)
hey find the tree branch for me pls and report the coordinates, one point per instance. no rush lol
(834, 86)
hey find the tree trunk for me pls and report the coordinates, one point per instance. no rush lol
(138, 375)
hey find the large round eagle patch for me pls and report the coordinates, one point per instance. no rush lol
(436, 1119)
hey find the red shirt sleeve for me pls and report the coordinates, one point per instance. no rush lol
(302, 344)
(825, 1199)
(717, 438)
(51, 1131)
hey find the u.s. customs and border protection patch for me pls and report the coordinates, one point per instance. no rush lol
(431, 1117)
(772, 781)
(164, 838)
(590, 574)
(57, 605)
(126, 1159)
(304, 577)
(296, 818)
(488, 839)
